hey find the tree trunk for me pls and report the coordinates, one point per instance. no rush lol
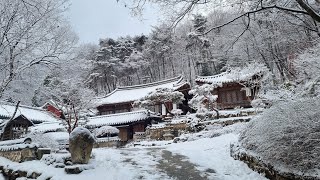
(216, 110)
(163, 67)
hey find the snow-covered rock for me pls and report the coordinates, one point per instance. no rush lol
(80, 145)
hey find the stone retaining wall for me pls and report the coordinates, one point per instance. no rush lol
(227, 122)
(20, 155)
(157, 133)
(139, 136)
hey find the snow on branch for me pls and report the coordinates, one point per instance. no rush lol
(203, 99)
(160, 95)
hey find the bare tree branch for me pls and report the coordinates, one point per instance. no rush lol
(255, 11)
(312, 12)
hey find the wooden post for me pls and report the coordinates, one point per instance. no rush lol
(163, 110)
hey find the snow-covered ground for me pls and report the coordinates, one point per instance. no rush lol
(214, 153)
(199, 157)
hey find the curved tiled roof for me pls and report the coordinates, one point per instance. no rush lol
(136, 92)
(32, 113)
(117, 119)
(216, 79)
(235, 75)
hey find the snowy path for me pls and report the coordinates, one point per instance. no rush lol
(205, 158)
(214, 153)
(178, 167)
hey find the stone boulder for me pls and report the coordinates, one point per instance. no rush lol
(80, 145)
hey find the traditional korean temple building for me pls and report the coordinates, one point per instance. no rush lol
(128, 123)
(15, 128)
(115, 109)
(235, 88)
(120, 100)
(25, 117)
(52, 107)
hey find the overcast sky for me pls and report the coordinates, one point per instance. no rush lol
(94, 19)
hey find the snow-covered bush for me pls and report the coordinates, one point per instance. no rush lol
(193, 123)
(203, 100)
(176, 112)
(287, 135)
(105, 131)
(307, 67)
(160, 95)
(211, 131)
(43, 140)
(53, 159)
(261, 103)
(280, 93)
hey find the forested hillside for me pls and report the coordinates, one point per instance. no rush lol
(203, 43)
(272, 37)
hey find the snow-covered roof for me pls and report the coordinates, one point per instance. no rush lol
(47, 127)
(11, 142)
(234, 75)
(17, 147)
(32, 113)
(117, 119)
(216, 79)
(136, 92)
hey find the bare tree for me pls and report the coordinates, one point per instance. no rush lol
(179, 9)
(32, 32)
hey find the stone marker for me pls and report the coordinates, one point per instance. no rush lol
(80, 145)
(168, 134)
